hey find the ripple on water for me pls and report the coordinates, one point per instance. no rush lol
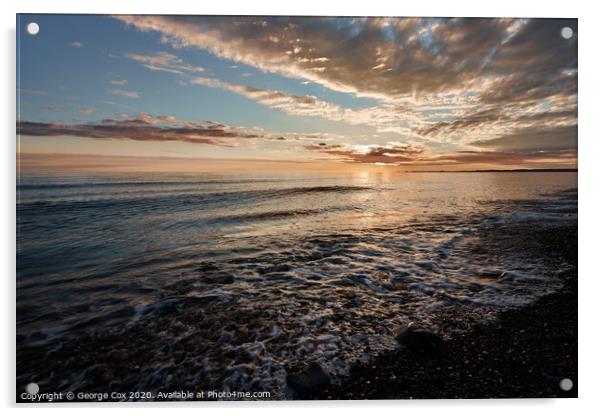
(239, 318)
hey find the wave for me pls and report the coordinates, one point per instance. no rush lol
(175, 201)
(237, 311)
(87, 185)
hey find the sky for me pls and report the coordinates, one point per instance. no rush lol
(307, 93)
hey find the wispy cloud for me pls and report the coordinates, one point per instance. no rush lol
(54, 109)
(77, 44)
(165, 61)
(87, 111)
(125, 93)
(384, 117)
(119, 81)
(292, 104)
(494, 158)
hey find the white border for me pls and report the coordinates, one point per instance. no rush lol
(590, 276)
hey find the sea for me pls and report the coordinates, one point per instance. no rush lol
(231, 282)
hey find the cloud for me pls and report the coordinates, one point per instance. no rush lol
(54, 109)
(488, 117)
(165, 61)
(533, 139)
(125, 93)
(119, 81)
(384, 117)
(444, 80)
(144, 127)
(490, 123)
(306, 105)
(87, 111)
(391, 153)
(77, 44)
(395, 153)
(494, 158)
(385, 57)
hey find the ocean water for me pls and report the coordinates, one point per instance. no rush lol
(230, 281)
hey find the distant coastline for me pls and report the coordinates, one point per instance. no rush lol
(490, 170)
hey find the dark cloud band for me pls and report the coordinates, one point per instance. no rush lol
(140, 130)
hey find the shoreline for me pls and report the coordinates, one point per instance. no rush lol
(524, 353)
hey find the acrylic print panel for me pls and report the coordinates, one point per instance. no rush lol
(277, 208)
